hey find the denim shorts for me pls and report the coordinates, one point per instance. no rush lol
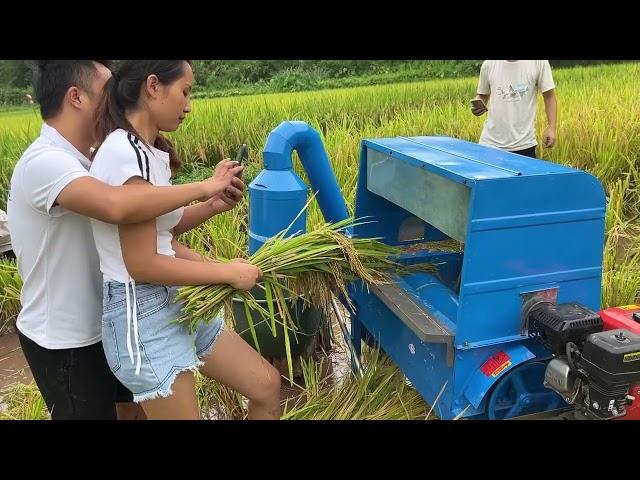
(165, 347)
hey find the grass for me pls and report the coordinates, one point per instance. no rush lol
(382, 393)
(23, 402)
(11, 284)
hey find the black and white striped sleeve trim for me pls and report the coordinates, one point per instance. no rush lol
(133, 141)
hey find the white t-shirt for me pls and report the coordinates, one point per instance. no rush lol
(514, 88)
(121, 157)
(57, 259)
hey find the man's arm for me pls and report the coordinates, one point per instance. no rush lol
(134, 203)
(195, 215)
(551, 109)
(90, 197)
(484, 90)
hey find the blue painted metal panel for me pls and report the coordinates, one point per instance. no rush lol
(531, 225)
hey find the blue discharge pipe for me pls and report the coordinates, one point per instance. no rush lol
(277, 194)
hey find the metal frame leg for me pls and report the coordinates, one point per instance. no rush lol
(353, 340)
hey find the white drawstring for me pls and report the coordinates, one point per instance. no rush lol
(129, 349)
(133, 307)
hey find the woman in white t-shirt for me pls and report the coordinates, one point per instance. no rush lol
(142, 264)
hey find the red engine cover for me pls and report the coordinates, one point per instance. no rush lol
(623, 317)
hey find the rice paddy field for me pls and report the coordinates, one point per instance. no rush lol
(598, 131)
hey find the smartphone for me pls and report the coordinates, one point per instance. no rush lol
(242, 154)
(478, 103)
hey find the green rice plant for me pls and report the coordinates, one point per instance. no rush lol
(23, 402)
(10, 287)
(382, 393)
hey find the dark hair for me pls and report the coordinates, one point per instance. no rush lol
(122, 93)
(55, 77)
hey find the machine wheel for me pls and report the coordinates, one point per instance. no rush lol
(521, 392)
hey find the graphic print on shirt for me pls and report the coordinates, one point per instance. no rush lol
(513, 94)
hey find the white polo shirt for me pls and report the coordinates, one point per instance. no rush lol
(57, 259)
(121, 157)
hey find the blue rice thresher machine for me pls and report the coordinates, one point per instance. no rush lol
(505, 326)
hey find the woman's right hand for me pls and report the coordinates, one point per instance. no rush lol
(225, 171)
(244, 276)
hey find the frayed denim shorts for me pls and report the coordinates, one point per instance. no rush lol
(164, 347)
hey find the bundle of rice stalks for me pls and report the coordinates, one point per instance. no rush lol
(445, 246)
(310, 265)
